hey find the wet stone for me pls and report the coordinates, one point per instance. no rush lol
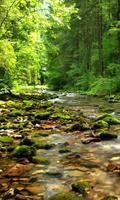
(54, 174)
(110, 198)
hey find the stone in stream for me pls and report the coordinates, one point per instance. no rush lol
(64, 150)
(40, 160)
(81, 186)
(80, 126)
(107, 136)
(66, 196)
(108, 118)
(17, 170)
(54, 174)
(100, 124)
(9, 194)
(104, 135)
(27, 141)
(114, 167)
(89, 140)
(110, 198)
(24, 151)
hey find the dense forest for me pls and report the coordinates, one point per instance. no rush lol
(66, 45)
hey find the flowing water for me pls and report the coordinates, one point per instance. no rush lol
(84, 161)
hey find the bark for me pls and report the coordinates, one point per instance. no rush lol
(118, 18)
(100, 38)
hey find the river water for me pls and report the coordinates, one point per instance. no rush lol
(92, 159)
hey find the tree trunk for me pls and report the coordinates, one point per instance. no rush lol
(100, 39)
(118, 18)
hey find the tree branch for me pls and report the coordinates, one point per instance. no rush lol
(6, 16)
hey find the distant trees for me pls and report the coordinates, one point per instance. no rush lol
(89, 49)
(76, 42)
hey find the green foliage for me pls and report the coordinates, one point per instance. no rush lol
(104, 85)
(7, 62)
(64, 44)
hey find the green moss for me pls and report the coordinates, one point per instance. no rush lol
(11, 148)
(46, 104)
(61, 116)
(27, 141)
(13, 126)
(42, 134)
(108, 109)
(79, 127)
(66, 196)
(100, 124)
(2, 119)
(110, 198)
(15, 104)
(80, 187)
(6, 139)
(41, 115)
(2, 103)
(10, 103)
(101, 117)
(16, 113)
(43, 145)
(40, 160)
(24, 151)
(110, 119)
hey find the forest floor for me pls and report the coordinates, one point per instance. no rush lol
(49, 146)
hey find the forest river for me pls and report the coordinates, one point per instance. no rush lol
(87, 162)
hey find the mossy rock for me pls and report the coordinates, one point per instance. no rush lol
(27, 141)
(79, 127)
(107, 109)
(43, 145)
(54, 174)
(80, 187)
(110, 198)
(101, 117)
(6, 139)
(24, 151)
(46, 104)
(66, 196)
(64, 150)
(42, 134)
(28, 105)
(2, 103)
(16, 113)
(41, 115)
(11, 103)
(13, 126)
(11, 148)
(40, 160)
(2, 119)
(107, 136)
(110, 119)
(61, 116)
(100, 124)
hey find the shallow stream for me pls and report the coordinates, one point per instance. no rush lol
(83, 162)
